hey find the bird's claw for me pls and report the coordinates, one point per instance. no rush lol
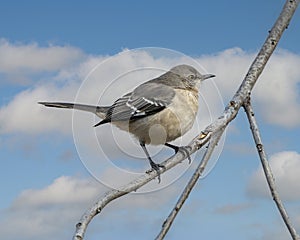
(183, 150)
(156, 167)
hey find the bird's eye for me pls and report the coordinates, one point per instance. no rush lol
(192, 77)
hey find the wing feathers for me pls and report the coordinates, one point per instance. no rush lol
(145, 100)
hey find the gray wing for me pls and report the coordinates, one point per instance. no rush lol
(147, 99)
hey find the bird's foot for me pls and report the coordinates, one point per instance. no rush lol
(182, 149)
(156, 167)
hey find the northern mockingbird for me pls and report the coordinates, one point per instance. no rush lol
(156, 112)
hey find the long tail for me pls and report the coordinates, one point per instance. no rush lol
(99, 111)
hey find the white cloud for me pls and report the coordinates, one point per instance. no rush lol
(52, 211)
(111, 78)
(55, 209)
(105, 83)
(286, 170)
(102, 79)
(230, 67)
(64, 190)
(33, 58)
(23, 63)
(276, 93)
(23, 114)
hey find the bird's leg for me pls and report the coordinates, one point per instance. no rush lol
(181, 149)
(154, 166)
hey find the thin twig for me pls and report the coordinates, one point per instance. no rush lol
(267, 169)
(168, 222)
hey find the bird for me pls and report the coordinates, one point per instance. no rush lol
(156, 112)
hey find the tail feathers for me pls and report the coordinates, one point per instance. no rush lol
(57, 104)
(99, 111)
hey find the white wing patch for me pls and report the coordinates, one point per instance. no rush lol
(142, 105)
(145, 100)
(149, 101)
(135, 110)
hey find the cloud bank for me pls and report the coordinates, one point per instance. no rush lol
(99, 80)
(276, 93)
(54, 210)
(33, 58)
(286, 170)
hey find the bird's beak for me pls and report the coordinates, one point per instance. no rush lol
(207, 76)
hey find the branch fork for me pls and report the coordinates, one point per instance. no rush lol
(212, 135)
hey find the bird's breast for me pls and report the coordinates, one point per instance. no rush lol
(170, 123)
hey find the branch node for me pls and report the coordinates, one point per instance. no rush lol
(78, 225)
(202, 135)
(273, 41)
(259, 147)
(99, 210)
(202, 138)
(164, 223)
(233, 104)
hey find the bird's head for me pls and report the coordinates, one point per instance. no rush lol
(190, 74)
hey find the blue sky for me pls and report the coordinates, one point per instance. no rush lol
(61, 50)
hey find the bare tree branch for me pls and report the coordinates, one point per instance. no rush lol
(113, 194)
(168, 222)
(212, 131)
(267, 169)
(239, 98)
